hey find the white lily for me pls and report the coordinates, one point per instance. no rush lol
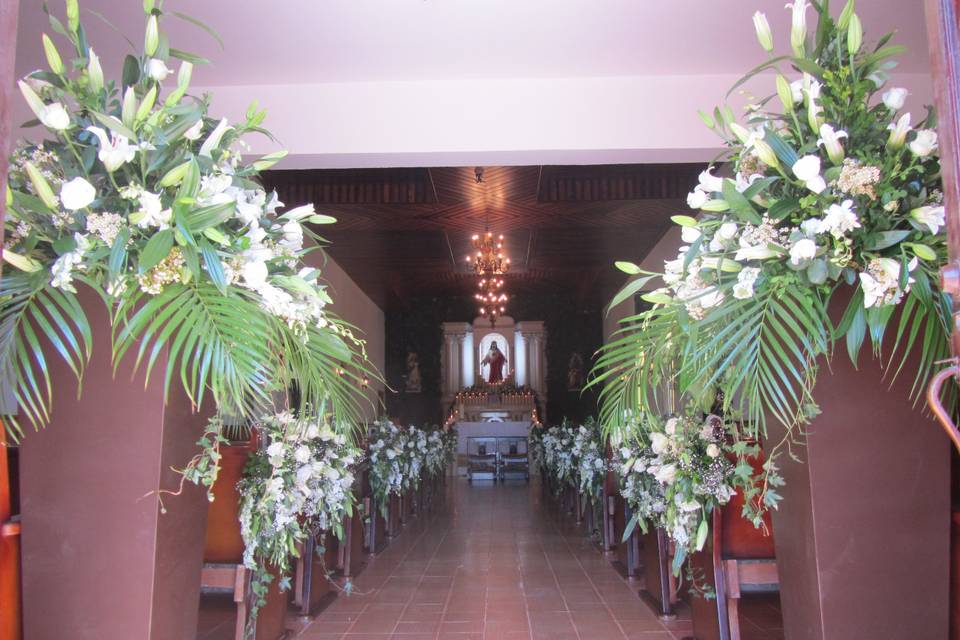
(213, 140)
(689, 234)
(709, 182)
(756, 252)
(830, 140)
(193, 133)
(115, 150)
(157, 69)
(53, 116)
(746, 280)
(798, 29)
(292, 236)
(898, 132)
(932, 218)
(152, 211)
(697, 198)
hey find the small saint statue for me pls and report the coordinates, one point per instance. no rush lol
(496, 360)
(413, 383)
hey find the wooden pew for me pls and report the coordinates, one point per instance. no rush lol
(10, 599)
(223, 551)
(739, 558)
(352, 550)
(626, 553)
(660, 585)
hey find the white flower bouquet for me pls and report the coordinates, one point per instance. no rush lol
(437, 455)
(132, 188)
(830, 196)
(386, 457)
(558, 455)
(297, 486)
(590, 451)
(674, 474)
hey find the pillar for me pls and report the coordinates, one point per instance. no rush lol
(99, 558)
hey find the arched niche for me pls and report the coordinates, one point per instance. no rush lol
(503, 345)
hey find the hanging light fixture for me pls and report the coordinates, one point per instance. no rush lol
(492, 297)
(489, 262)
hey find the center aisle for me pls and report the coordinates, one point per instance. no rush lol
(491, 565)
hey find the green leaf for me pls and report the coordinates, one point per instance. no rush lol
(783, 150)
(628, 291)
(702, 532)
(114, 125)
(685, 221)
(884, 239)
(739, 205)
(782, 208)
(213, 34)
(131, 72)
(188, 57)
(157, 248)
(210, 216)
(214, 268)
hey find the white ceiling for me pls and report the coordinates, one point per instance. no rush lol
(320, 41)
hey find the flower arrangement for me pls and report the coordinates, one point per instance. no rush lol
(437, 454)
(558, 454)
(385, 455)
(296, 487)
(674, 473)
(832, 193)
(414, 458)
(135, 191)
(590, 451)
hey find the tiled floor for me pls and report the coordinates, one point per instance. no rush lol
(494, 566)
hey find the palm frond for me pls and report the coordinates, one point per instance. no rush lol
(214, 341)
(35, 318)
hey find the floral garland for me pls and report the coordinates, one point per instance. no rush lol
(559, 458)
(437, 454)
(833, 189)
(676, 475)
(590, 451)
(299, 485)
(385, 454)
(144, 198)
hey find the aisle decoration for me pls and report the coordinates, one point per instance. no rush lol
(673, 473)
(297, 487)
(834, 194)
(558, 455)
(437, 454)
(135, 191)
(385, 454)
(414, 457)
(590, 452)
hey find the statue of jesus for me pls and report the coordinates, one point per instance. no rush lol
(496, 360)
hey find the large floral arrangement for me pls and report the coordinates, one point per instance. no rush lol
(135, 191)
(590, 451)
(674, 473)
(385, 454)
(296, 487)
(414, 457)
(832, 193)
(558, 454)
(437, 454)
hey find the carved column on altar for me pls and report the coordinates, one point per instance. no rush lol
(533, 337)
(452, 362)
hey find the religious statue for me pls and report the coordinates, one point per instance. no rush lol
(496, 360)
(575, 372)
(414, 385)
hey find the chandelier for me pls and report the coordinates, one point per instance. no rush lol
(488, 259)
(491, 297)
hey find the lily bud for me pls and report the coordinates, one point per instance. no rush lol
(830, 140)
(152, 38)
(95, 72)
(128, 112)
(854, 35)
(73, 15)
(148, 100)
(175, 175)
(844, 20)
(785, 93)
(765, 153)
(740, 131)
(764, 35)
(798, 29)
(53, 56)
(41, 186)
(184, 74)
(898, 132)
(715, 205)
(148, 6)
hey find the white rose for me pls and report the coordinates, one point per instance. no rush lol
(292, 236)
(666, 474)
(689, 234)
(157, 69)
(659, 442)
(302, 454)
(807, 170)
(727, 230)
(803, 249)
(77, 194)
(275, 449)
(924, 144)
(55, 117)
(713, 450)
(895, 98)
(255, 274)
(840, 219)
(671, 426)
(697, 198)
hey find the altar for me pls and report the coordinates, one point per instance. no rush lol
(493, 383)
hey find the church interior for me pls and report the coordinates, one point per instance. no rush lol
(477, 209)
